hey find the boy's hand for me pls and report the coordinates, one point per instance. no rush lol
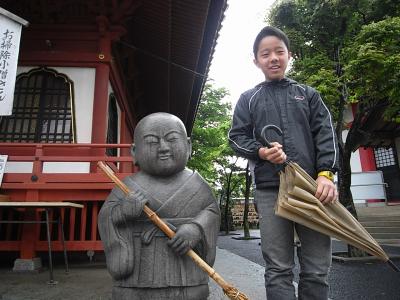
(326, 190)
(274, 155)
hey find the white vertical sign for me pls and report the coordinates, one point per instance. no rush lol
(10, 33)
(3, 161)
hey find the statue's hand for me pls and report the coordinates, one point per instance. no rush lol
(187, 237)
(133, 203)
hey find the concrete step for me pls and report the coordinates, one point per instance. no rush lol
(389, 242)
(371, 223)
(383, 235)
(382, 229)
(379, 218)
(383, 223)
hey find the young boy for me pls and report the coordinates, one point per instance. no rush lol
(309, 139)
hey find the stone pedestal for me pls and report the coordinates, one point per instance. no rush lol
(27, 265)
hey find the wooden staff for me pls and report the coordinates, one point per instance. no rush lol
(229, 290)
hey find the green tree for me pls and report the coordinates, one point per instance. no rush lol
(209, 136)
(231, 179)
(348, 50)
(211, 155)
(373, 69)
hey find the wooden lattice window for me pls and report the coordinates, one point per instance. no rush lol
(112, 130)
(42, 109)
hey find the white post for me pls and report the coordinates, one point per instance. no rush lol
(3, 161)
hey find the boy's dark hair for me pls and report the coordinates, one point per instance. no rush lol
(268, 31)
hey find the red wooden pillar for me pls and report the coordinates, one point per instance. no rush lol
(30, 232)
(102, 77)
(100, 103)
(367, 159)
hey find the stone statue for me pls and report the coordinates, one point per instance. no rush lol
(142, 261)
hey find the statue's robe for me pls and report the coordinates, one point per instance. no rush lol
(136, 251)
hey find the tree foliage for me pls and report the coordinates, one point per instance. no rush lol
(373, 69)
(209, 136)
(211, 155)
(349, 51)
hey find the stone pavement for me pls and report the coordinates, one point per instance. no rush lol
(92, 281)
(351, 278)
(245, 275)
(239, 262)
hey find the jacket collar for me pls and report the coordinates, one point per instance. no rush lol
(283, 82)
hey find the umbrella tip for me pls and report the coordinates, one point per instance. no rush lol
(394, 267)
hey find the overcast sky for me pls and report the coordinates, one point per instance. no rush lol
(232, 66)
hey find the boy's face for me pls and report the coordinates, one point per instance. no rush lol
(272, 58)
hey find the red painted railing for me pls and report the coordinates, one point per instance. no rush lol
(89, 189)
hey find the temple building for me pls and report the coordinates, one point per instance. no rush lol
(88, 71)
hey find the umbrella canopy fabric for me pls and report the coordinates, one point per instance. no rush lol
(296, 202)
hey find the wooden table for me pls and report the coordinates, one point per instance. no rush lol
(47, 206)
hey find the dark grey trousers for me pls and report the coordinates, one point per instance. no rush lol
(277, 244)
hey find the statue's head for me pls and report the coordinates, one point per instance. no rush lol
(161, 147)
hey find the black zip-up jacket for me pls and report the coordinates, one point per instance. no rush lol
(308, 134)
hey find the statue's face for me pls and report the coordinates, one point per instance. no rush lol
(162, 146)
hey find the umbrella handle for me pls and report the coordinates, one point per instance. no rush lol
(264, 137)
(267, 142)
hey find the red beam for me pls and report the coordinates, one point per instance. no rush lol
(57, 186)
(85, 158)
(61, 195)
(70, 246)
(10, 245)
(56, 245)
(69, 57)
(53, 145)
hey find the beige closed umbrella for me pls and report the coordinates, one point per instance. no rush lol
(296, 202)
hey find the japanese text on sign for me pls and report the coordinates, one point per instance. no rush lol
(10, 32)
